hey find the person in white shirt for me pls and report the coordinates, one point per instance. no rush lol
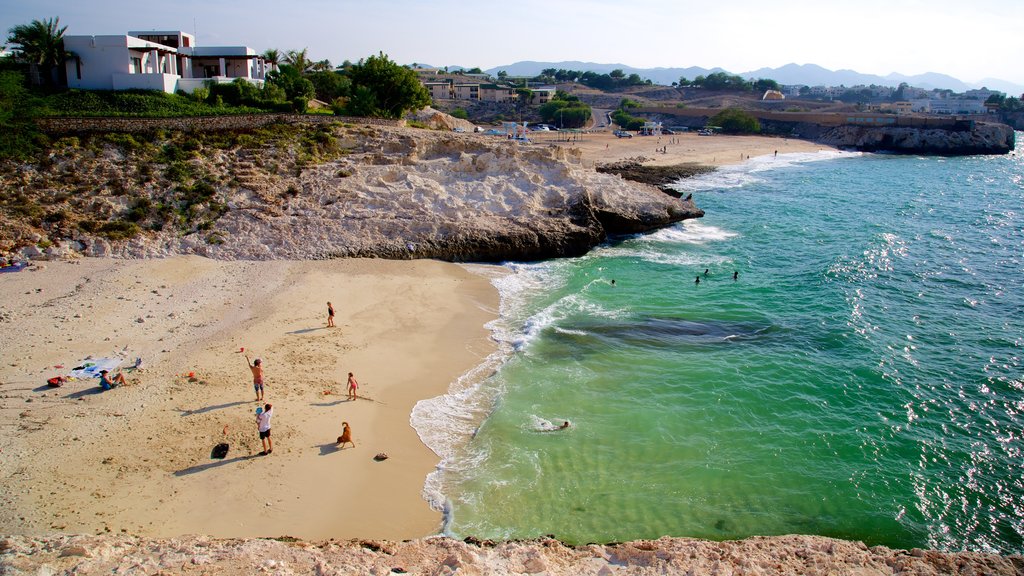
(263, 425)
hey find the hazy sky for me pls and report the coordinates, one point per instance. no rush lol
(967, 40)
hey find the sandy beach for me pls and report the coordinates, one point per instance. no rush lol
(137, 459)
(687, 147)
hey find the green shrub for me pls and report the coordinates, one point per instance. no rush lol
(736, 121)
(118, 230)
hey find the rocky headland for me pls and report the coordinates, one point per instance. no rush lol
(970, 138)
(312, 192)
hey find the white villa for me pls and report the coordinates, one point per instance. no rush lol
(157, 60)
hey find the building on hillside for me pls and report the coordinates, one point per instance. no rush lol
(439, 90)
(168, 61)
(957, 106)
(982, 94)
(542, 95)
(496, 93)
(773, 95)
(466, 91)
(900, 107)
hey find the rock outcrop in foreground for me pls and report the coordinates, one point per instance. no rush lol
(803, 555)
(971, 138)
(327, 192)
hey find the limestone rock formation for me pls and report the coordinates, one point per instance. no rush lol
(396, 193)
(971, 138)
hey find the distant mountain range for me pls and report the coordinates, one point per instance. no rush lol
(809, 74)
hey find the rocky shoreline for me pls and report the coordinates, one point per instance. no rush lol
(804, 555)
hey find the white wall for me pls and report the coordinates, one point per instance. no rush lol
(101, 57)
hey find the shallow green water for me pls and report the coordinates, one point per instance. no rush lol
(861, 379)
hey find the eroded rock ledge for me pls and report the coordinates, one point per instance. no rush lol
(966, 139)
(397, 193)
(803, 555)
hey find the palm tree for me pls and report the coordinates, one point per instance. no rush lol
(322, 66)
(40, 45)
(299, 59)
(273, 57)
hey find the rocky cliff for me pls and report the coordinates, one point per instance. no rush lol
(783, 555)
(320, 192)
(971, 138)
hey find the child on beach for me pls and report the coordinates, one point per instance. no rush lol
(263, 416)
(330, 315)
(353, 385)
(257, 376)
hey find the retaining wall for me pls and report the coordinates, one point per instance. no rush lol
(64, 125)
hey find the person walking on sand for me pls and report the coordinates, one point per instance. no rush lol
(353, 385)
(346, 436)
(257, 376)
(263, 426)
(330, 315)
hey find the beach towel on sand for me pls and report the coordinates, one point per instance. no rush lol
(90, 367)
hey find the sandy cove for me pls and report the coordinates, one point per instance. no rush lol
(101, 482)
(686, 147)
(137, 459)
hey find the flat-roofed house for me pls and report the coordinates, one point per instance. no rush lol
(496, 93)
(542, 95)
(466, 91)
(168, 61)
(439, 90)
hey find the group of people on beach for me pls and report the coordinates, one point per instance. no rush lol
(266, 412)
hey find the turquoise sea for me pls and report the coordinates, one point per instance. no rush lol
(861, 378)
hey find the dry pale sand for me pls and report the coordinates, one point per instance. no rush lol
(137, 458)
(688, 147)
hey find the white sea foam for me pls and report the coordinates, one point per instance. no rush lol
(446, 423)
(739, 175)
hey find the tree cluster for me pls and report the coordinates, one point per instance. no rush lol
(611, 82)
(736, 121)
(729, 82)
(566, 111)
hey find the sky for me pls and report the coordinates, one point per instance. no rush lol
(970, 41)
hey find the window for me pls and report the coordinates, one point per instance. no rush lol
(136, 67)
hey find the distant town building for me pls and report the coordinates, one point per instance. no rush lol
(542, 95)
(464, 91)
(497, 93)
(168, 61)
(439, 90)
(957, 106)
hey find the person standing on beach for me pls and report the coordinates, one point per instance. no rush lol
(263, 426)
(330, 315)
(257, 376)
(346, 436)
(353, 385)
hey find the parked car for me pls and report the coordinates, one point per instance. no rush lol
(622, 134)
